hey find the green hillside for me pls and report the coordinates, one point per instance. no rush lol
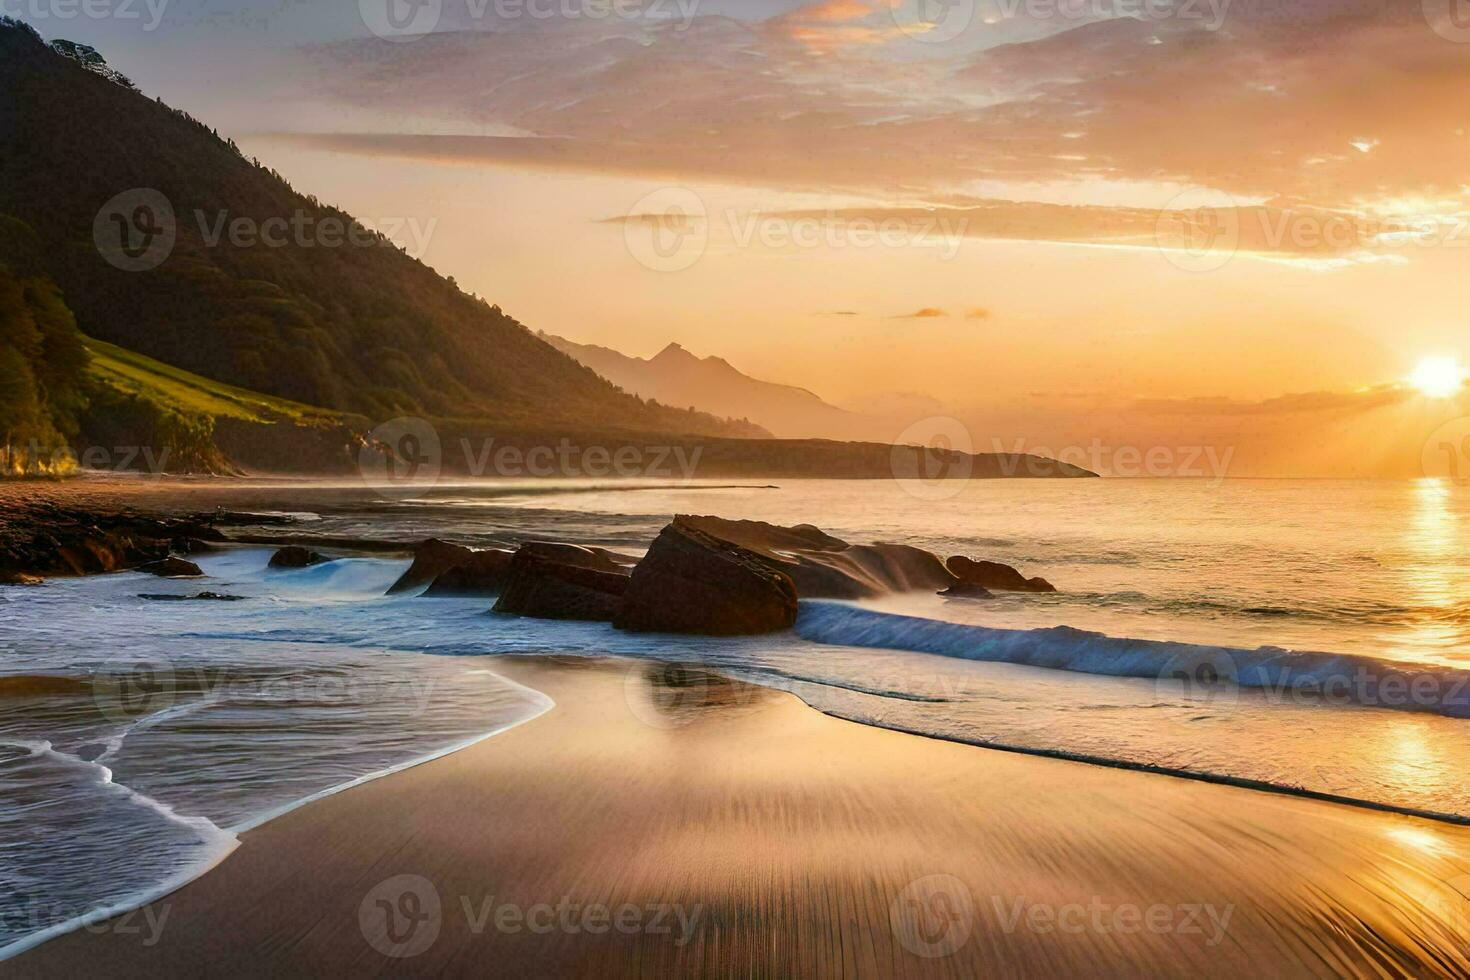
(348, 321)
(137, 375)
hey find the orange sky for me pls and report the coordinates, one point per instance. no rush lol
(1219, 222)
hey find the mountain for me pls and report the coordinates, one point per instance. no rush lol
(674, 376)
(308, 306)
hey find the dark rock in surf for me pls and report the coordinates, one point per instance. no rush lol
(197, 597)
(172, 567)
(967, 590)
(694, 582)
(994, 575)
(473, 572)
(824, 567)
(543, 587)
(295, 556)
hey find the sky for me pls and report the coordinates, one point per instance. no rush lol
(1090, 225)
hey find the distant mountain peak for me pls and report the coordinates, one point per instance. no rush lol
(676, 377)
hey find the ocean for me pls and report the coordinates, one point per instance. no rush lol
(1297, 636)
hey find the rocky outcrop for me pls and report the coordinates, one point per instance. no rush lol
(473, 572)
(172, 567)
(45, 539)
(992, 575)
(826, 567)
(295, 556)
(694, 582)
(542, 583)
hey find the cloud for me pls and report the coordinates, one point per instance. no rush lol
(1272, 108)
(977, 313)
(927, 313)
(1336, 402)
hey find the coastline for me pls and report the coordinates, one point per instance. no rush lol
(799, 839)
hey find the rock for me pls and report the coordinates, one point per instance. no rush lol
(172, 567)
(994, 575)
(825, 567)
(543, 587)
(597, 559)
(295, 556)
(965, 590)
(482, 572)
(694, 582)
(19, 578)
(201, 596)
(45, 539)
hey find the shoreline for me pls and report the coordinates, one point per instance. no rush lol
(164, 889)
(743, 800)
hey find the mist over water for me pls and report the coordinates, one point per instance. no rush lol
(169, 727)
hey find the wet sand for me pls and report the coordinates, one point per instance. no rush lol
(661, 820)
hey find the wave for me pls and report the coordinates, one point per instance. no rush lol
(1184, 670)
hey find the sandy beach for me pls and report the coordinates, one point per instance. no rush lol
(661, 819)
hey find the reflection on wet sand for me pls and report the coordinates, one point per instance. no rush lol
(746, 834)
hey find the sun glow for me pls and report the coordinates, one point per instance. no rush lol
(1438, 377)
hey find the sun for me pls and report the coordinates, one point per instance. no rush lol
(1439, 377)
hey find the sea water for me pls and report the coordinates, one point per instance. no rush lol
(1299, 635)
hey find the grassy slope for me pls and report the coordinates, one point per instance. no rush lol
(150, 380)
